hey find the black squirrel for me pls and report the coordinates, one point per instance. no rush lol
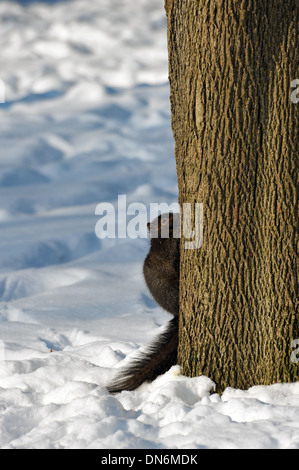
(161, 271)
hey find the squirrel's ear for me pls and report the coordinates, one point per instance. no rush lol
(148, 225)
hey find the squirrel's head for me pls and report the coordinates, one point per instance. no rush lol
(165, 226)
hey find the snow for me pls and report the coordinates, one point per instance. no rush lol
(86, 118)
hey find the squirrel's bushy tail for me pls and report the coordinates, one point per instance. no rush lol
(157, 359)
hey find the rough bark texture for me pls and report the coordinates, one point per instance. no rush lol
(231, 64)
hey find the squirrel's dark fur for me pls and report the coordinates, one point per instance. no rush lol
(161, 272)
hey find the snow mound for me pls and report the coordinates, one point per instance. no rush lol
(57, 402)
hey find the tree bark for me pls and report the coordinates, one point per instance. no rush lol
(231, 64)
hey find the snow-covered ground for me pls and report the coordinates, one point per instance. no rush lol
(86, 118)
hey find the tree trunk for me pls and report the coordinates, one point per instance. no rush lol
(231, 64)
